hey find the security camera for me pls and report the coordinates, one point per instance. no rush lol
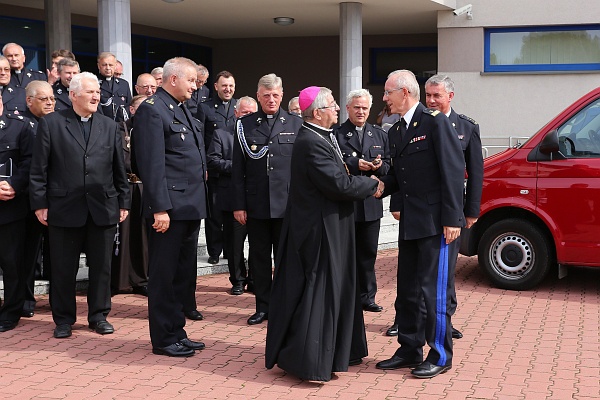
(462, 10)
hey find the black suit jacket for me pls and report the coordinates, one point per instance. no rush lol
(375, 142)
(261, 186)
(115, 97)
(16, 142)
(73, 179)
(470, 141)
(61, 93)
(220, 156)
(199, 96)
(170, 158)
(213, 115)
(427, 172)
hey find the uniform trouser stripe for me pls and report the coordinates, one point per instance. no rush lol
(440, 307)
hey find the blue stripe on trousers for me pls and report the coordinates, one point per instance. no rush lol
(440, 304)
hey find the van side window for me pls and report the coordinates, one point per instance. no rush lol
(579, 137)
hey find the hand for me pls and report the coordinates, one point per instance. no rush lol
(42, 216)
(470, 221)
(53, 75)
(376, 163)
(451, 233)
(396, 215)
(123, 214)
(161, 221)
(6, 191)
(240, 216)
(380, 187)
(364, 165)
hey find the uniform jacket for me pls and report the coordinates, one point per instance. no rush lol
(375, 142)
(261, 186)
(427, 171)
(16, 143)
(170, 157)
(470, 140)
(213, 114)
(73, 179)
(220, 155)
(13, 98)
(115, 97)
(199, 96)
(61, 93)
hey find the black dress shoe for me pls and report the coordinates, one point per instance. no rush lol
(194, 315)
(141, 290)
(190, 344)
(356, 361)
(62, 331)
(174, 350)
(257, 318)
(392, 330)
(372, 307)
(102, 327)
(237, 290)
(456, 334)
(7, 325)
(27, 313)
(213, 260)
(397, 362)
(429, 370)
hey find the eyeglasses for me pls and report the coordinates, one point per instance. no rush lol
(334, 105)
(388, 92)
(146, 87)
(117, 74)
(46, 99)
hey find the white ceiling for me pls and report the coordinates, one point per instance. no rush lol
(222, 19)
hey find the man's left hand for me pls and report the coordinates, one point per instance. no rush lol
(123, 214)
(451, 233)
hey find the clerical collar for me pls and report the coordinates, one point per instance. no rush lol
(84, 119)
(319, 127)
(269, 116)
(108, 78)
(225, 103)
(17, 71)
(359, 128)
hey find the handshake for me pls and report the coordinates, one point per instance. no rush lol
(380, 187)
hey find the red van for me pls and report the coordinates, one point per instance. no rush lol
(541, 202)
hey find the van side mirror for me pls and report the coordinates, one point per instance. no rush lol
(549, 143)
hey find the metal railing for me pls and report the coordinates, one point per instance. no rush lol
(513, 141)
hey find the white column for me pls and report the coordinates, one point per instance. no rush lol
(350, 52)
(58, 32)
(114, 31)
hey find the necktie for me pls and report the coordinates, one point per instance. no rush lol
(360, 135)
(402, 128)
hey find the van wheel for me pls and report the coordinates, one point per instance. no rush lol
(515, 254)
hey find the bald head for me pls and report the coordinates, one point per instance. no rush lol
(145, 84)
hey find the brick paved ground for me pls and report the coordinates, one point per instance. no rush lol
(542, 344)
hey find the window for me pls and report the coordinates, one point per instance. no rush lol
(422, 61)
(565, 48)
(579, 137)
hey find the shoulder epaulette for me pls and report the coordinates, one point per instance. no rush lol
(471, 120)
(150, 100)
(431, 112)
(14, 116)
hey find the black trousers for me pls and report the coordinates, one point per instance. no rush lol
(171, 273)
(66, 245)
(367, 238)
(12, 237)
(34, 257)
(236, 235)
(263, 239)
(424, 270)
(213, 225)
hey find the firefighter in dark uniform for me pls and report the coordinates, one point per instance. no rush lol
(66, 69)
(260, 176)
(201, 94)
(216, 113)
(171, 161)
(19, 78)
(366, 153)
(427, 171)
(16, 142)
(115, 94)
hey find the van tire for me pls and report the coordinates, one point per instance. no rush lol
(515, 254)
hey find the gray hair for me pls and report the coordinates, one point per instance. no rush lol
(177, 66)
(2, 58)
(76, 82)
(406, 79)
(354, 94)
(293, 99)
(247, 99)
(34, 87)
(202, 70)
(66, 62)
(270, 81)
(156, 71)
(441, 79)
(320, 101)
(12, 44)
(106, 54)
